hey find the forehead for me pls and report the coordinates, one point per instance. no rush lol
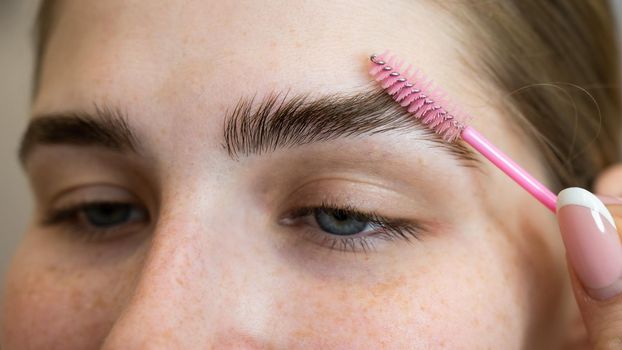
(172, 52)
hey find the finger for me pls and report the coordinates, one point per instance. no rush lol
(594, 254)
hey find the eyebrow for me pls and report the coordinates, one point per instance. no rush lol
(251, 128)
(281, 122)
(107, 127)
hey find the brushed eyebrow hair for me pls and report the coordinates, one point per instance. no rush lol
(278, 121)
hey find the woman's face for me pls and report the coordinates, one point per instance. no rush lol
(221, 228)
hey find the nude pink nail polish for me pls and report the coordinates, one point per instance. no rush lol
(592, 242)
(609, 200)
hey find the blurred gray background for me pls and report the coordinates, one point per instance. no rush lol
(16, 55)
(16, 59)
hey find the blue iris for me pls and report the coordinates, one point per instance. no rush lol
(339, 222)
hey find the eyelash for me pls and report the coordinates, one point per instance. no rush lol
(384, 228)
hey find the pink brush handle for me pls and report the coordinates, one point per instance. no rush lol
(508, 166)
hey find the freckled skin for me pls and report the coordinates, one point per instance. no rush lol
(210, 273)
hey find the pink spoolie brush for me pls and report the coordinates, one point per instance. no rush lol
(415, 93)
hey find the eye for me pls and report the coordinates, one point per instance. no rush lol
(345, 228)
(100, 220)
(340, 222)
(106, 215)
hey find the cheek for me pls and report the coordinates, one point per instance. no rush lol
(444, 292)
(51, 305)
(448, 300)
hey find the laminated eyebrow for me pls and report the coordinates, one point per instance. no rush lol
(279, 121)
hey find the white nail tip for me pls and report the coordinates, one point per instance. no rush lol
(584, 198)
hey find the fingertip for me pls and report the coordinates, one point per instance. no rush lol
(592, 242)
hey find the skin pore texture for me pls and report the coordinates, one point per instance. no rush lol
(214, 266)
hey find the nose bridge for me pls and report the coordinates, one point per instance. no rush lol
(185, 250)
(190, 287)
(167, 289)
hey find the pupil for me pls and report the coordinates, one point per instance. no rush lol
(340, 215)
(107, 214)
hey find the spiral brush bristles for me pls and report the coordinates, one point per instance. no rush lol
(417, 94)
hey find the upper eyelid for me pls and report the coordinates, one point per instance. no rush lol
(76, 190)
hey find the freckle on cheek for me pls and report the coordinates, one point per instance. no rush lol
(388, 287)
(100, 303)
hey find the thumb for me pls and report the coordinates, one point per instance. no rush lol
(594, 254)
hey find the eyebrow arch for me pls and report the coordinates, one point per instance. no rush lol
(107, 127)
(281, 122)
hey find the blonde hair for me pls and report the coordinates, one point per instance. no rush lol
(556, 63)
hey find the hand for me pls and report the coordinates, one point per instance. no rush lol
(594, 254)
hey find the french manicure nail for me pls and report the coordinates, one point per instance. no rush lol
(592, 242)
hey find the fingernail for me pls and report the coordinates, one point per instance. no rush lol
(592, 242)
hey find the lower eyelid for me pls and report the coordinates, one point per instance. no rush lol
(353, 243)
